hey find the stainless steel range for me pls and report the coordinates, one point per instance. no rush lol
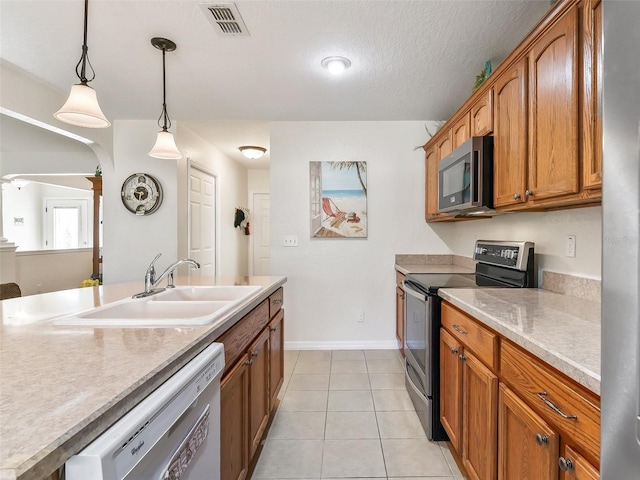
(500, 265)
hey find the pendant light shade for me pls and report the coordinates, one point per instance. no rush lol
(81, 108)
(165, 146)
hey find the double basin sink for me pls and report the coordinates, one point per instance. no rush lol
(179, 306)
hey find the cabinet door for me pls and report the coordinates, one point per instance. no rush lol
(553, 111)
(258, 390)
(479, 419)
(510, 136)
(576, 467)
(528, 448)
(461, 131)
(451, 388)
(234, 422)
(445, 145)
(482, 115)
(276, 357)
(592, 95)
(400, 317)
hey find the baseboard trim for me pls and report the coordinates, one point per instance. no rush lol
(365, 345)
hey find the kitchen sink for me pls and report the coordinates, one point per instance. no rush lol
(220, 294)
(181, 306)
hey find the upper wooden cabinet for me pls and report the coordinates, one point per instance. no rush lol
(432, 157)
(543, 106)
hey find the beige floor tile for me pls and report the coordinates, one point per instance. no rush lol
(400, 425)
(385, 366)
(387, 381)
(342, 355)
(352, 458)
(449, 458)
(298, 425)
(348, 366)
(350, 401)
(349, 381)
(309, 382)
(351, 425)
(283, 388)
(306, 367)
(414, 458)
(314, 356)
(290, 459)
(304, 401)
(290, 359)
(382, 354)
(392, 400)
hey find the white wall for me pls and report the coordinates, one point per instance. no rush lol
(547, 229)
(231, 184)
(331, 280)
(258, 180)
(26, 203)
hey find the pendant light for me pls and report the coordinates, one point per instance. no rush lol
(165, 146)
(81, 108)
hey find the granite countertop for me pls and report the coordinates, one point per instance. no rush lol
(563, 331)
(61, 386)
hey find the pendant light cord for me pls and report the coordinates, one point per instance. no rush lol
(84, 58)
(164, 121)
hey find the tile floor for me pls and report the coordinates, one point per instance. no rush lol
(346, 414)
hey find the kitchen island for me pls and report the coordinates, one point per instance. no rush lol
(62, 386)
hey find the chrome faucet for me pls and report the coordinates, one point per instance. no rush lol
(150, 280)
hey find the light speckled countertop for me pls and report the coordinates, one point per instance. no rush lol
(61, 386)
(563, 331)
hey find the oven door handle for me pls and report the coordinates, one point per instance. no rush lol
(414, 293)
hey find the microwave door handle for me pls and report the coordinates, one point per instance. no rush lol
(475, 181)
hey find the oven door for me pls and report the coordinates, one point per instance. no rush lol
(417, 334)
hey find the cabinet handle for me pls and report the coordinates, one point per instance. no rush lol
(542, 438)
(254, 354)
(248, 362)
(516, 196)
(277, 302)
(273, 329)
(528, 193)
(459, 330)
(565, 464)
(454, 350)
(543, 396)
(462, 357)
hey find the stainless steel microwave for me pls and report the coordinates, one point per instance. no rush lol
(465, 177)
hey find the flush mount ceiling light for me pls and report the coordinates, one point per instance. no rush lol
(336, 65)
(165, 146)
(253, 153)
(81, 108)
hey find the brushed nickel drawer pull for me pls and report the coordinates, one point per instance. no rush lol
(273, 329)
(254, 353)
(248, 362)
(277, 302)
(542, 438)
(459, 330)
(454, 350)
(565, 464)
(543, 396)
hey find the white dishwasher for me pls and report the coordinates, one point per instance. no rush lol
(174, 433)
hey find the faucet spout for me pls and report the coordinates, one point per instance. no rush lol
(171, 268)
(151, 282)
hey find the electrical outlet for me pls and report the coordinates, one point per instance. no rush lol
(290, 241)
(570, 246)
(360, 317)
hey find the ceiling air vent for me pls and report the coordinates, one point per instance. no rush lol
(226, 19)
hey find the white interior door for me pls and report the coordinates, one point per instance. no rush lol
(261, 234)
(202, 220)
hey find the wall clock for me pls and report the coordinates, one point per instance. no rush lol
(141, 194)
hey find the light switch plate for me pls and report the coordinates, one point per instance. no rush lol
(290, 241)
(570, 246)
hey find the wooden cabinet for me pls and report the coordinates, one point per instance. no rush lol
(400, 311)
(576, 467)
(469, 392)
(432, 157)
(482, 115)
(461, 131)
(276, 357)
(529, 447)
(254, 373)
(234, 422)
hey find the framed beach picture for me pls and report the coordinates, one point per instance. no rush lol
(338, 199)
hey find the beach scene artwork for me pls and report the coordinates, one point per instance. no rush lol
(338, 199)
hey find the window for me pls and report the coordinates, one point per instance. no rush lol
(66, 223)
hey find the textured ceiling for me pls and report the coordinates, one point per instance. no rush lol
(411, 59)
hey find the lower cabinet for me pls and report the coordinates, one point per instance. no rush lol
(528, 445)
(576, 467)
(400, 311)
(248, 391)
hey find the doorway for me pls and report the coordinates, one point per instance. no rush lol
(202, 220)
(260, 244)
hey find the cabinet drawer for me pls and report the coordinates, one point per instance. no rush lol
(530, 378)
(482, 342)
(275, 302)
(238, 338)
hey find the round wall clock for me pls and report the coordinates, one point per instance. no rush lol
(141, 194)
